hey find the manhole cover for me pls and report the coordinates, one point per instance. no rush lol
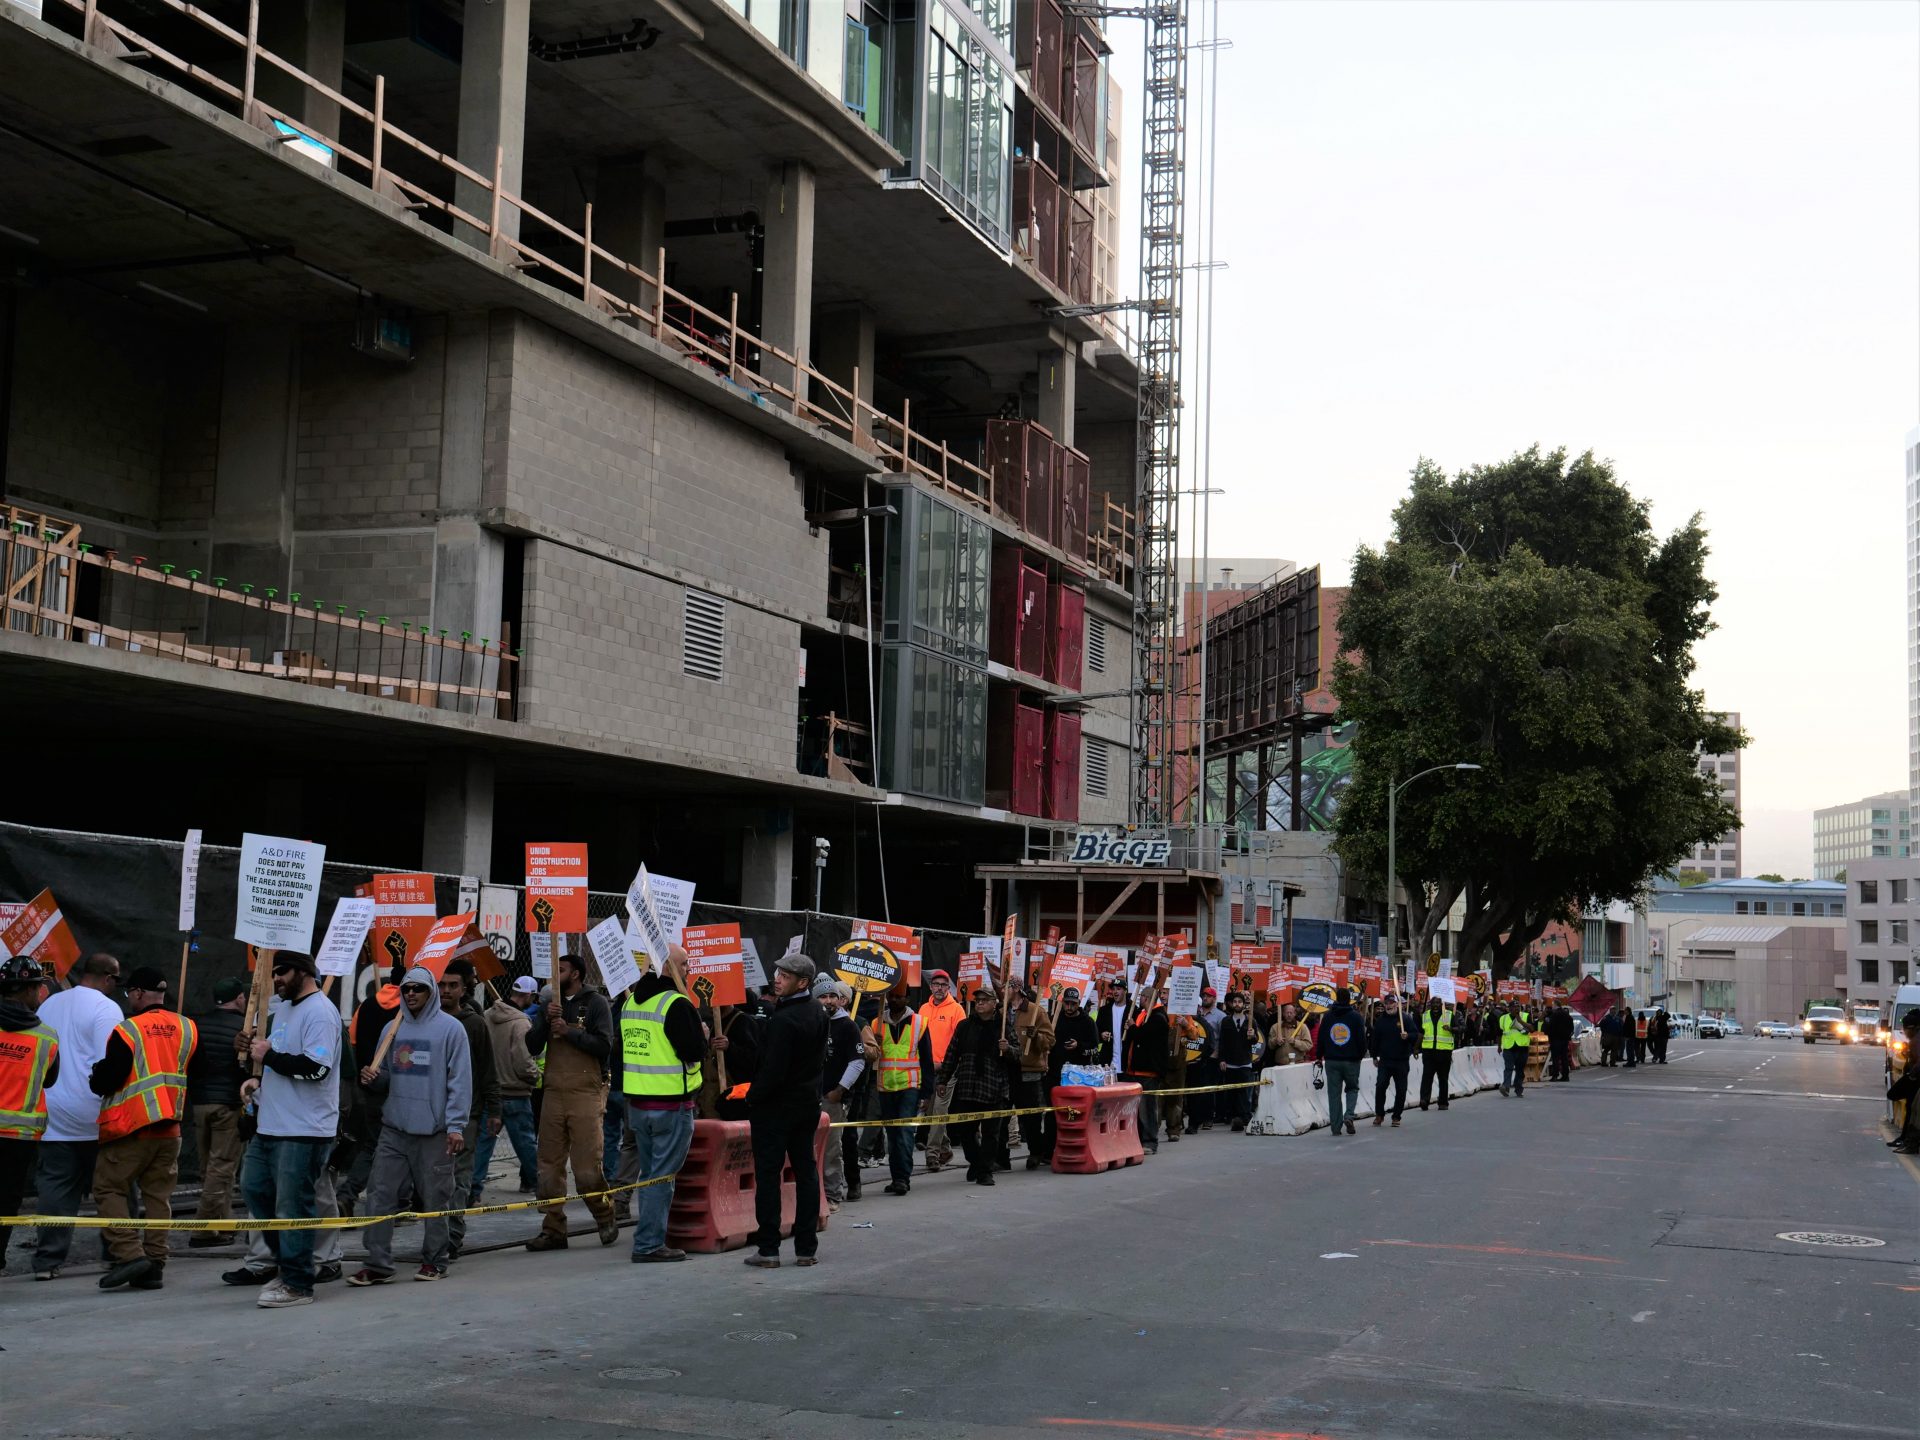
(761, 1335)
(655, 1372)
(1830, 1237)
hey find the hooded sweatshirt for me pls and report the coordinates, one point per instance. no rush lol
(427, 1077)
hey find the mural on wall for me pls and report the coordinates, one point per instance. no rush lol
(1325, 773)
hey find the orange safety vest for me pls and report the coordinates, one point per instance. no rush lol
(156, 1089)
(25, 1058)
(1640, 1026)
(941, 1021)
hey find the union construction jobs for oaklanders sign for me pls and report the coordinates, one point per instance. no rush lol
(1099, 847)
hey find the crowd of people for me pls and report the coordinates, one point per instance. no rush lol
(1634, 1037)
(401, 1108)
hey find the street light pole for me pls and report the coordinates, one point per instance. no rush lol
(1393, 871)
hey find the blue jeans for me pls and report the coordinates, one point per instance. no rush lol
(613, 1129)
(516, 1115)
(662, 1137)
(278, 1181)
(898, 1105)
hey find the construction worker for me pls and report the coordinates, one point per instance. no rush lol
(1436, 1049)
(142, 1084)
(662, 1042)
(1515, 1038)
(29, 1063)
(907, 1069)
(941, 1015)
(575, 1034)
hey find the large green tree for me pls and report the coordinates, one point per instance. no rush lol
(1523, 617)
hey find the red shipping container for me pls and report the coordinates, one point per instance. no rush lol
(1016, 744)
(1017, 623)
(1066, 635)
(1062, 799)
(1075, 483)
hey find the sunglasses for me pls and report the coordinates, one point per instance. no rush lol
(283, 969)
(415, 989)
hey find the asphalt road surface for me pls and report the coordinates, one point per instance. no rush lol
(1600, 1259)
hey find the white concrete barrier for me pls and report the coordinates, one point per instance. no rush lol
(1273, 1109)
(1588, 1048)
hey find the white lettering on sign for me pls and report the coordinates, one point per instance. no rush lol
(1094, 847)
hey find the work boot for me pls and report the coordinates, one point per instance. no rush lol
(544, 1241)
(1379, 1119)
(1350, 1129)
(126, 1272)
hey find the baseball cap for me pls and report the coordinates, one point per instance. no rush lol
(146, 978)
(232, 988)
(939, 975)
(526, 985)
(1207, 992)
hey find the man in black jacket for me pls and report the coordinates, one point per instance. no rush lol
(1111, 1023)
(1391, 1043)
(783, 1107)
(1559, 1042)
(1144, 1063)
(457, 985)
(1340, 1043)
(213, 1102)
(845, 1064)
(1236, 1046)
(1076, 1041)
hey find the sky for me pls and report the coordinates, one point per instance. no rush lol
(1684, 236)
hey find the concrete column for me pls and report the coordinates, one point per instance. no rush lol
(458, 836)
(629, 220)
(766, 861)
(787, 305)
(493, 107)
(250, 534)
(845, 347)
(311, 34)
(1058, 366)
(469, 565)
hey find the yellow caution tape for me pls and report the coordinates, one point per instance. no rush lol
(356, 1222)
(315, 1222)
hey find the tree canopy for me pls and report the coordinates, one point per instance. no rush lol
(1523, 617)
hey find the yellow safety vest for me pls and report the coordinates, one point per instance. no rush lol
(648, 1066)
(24, 1058)
(900, 1059)
(1514, 1034)
(1443, 1039)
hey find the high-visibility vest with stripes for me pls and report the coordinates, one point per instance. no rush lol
(900, 1059)
(1436, 1039)
(1514, 1034)
(25, 1057)
(156, 1087)
(648, 1066)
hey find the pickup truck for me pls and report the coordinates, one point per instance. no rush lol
(1825, 1022)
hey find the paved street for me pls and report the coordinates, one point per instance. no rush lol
(1598, 1259)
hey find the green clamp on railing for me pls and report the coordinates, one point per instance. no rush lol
(383, 622)
(272, 591)
(247, 588)
(193, 575)
(219, 582)
(85, 546)
(167, 570)
(466, 636)
(293, 597)
(360, 614)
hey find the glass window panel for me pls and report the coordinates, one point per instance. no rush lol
(953, 119)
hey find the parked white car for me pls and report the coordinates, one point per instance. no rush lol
(1776, 1030)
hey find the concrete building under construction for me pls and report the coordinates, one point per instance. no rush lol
(433, 426)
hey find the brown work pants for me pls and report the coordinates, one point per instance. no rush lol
(216, 1134)
(570, 1130)
(152, 1163)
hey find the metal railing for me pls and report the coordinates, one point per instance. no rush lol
(301, 639)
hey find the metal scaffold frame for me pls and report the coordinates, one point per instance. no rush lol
(1156, 594)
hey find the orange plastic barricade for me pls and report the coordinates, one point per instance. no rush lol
(713, 1196)
(1102, 1133)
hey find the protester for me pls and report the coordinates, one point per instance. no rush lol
(1203, 1070)
(1559, 1027)
(29, 1064)
(906, 1083)
(1637, 1038)
(426, 1078)
(1144, 1062)
(1110, 1021)
(214, 1076)
(662, 1044)
(1391, 1040)
(457, 985)
(370, 1021)
(1340, 1044)
(784, 1111)
(1033, 1052)
(1515, 1039)
(1659, 1032)
(1436, 1050)
(575, 1034)
(329, 1244)
(517, 1074)
(1610, 1033)
(1237, 1047)
(142, 1082)
(975, 1077)
(845, 1064)
(737, 1047)
(941, 1015)
(1290, 1041)
(1076, 1041)
(83, 1018)
(1186, 1045)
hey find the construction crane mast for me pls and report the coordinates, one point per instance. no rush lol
(1156, 598)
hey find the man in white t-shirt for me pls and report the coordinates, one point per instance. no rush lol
(84, 1017)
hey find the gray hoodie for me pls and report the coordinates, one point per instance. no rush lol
(427, 1076)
